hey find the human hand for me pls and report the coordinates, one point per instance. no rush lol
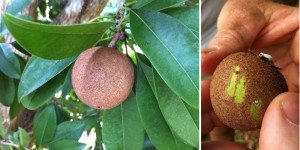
(264, 27)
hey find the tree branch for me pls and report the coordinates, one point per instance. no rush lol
(80, 11)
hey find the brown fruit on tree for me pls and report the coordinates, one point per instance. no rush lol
(102, 77)
(242, 87)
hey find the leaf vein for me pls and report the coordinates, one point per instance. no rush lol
(168, 50)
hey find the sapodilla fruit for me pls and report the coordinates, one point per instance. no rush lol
(242, 87)
(102, 77)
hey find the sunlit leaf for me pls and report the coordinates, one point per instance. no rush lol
(44, 93)
(2, 132)
(24, 138)
(67, 145)
(73, 130)
(125, 124)
(15, 108)
(157, 5)
(188, 16)
(44, 125)
(54, 41)
(173, 50)
(154, 123)
(67, 85)
(176, 113)
(38, 71)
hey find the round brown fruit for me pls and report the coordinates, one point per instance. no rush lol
(102, 77)
(242, 87)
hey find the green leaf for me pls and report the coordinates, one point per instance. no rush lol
(38, 71)
(53, 41)
(2, 132)
(7, 90)
(73, 130)
(189, 16)
(171, 104)
(154, 123)
(15, 7)
(67, 85)
(172, 49)
(122, 127)
(13, 137)
(157, 5)
(61, 115)
(99, 139)
(17, 46)
(9, 63)
(67, 145)
(2, 38)
(24, 138)
(194, 113)
(176, 113)
(141, 3)
(15, 108)
(148, 71)
(6, 147)
(44, 125)
(44, 93)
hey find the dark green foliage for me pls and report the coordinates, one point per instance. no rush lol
(162, 111)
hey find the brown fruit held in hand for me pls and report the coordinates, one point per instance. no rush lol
(102, 77)
(242, 87)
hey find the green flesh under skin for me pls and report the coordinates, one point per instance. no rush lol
(237, 90)
(254, 108)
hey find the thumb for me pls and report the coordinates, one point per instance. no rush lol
(280, 127)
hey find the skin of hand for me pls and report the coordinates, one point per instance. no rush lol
(262, 26)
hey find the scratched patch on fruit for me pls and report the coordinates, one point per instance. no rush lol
(236, 88)
(254, 108)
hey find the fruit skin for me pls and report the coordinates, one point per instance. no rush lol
(241, 89)
(102, 77)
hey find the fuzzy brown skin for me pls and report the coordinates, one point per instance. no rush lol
(262, 81)
(102, 77)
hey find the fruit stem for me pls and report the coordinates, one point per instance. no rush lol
(100, 17)
(119, 33)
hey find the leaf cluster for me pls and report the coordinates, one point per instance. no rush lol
(162, 40)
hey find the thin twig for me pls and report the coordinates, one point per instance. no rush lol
(11, 144)
(119, 17)
(130, 3)
(19, 53)
(100, 17)
(22, 55)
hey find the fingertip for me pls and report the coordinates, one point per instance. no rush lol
(209, 121)
(209, 62)
(278, 124)
(205, 96)
(290, 107)
(211, 59)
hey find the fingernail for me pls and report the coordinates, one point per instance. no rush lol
(208, 50)
(291, 109)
